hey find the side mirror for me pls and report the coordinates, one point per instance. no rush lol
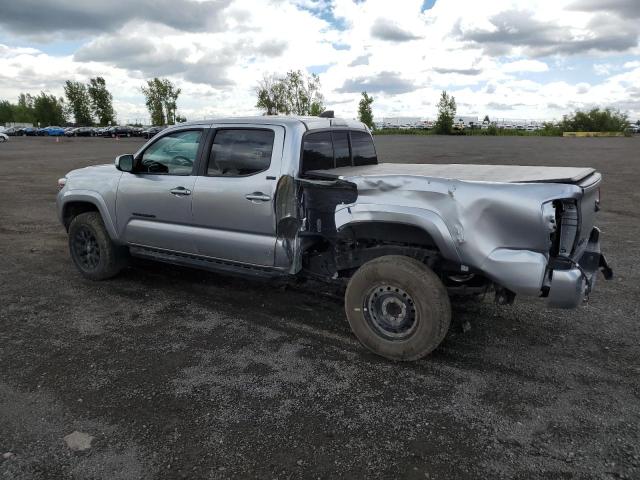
(124, 163)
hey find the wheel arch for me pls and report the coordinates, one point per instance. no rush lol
(74, 204)
(386, 219)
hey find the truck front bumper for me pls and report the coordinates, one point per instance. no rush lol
(572, 282)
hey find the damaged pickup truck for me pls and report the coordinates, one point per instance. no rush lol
(306, 197)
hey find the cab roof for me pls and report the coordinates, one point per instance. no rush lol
(309, 123)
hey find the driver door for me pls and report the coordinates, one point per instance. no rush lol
(153, 204)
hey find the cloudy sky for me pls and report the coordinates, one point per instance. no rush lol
(510, 59)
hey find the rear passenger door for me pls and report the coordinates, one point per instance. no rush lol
(233, 210)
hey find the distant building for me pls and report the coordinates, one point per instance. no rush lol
(466, 121)
(399, 121)
(20, 125)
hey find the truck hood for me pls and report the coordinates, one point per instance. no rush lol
(106, 169)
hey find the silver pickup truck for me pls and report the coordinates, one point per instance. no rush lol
(306, 197)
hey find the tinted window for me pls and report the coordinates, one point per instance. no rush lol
(364, 152)
(317, 153)
(240, 152)
(173, 154)
(341, 149)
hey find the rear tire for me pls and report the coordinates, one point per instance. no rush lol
(397, 307)
(91, 248)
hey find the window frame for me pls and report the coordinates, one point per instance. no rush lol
(331, 130)
(204, 171)
(157, 138)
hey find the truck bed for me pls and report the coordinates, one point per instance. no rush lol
(471, 173)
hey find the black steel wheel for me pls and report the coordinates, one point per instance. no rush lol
(398, 307)
(391, 311)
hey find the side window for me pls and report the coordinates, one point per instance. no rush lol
(363, 150)
(317, 152)
(240, 152)
(341, 148)
(173, 154)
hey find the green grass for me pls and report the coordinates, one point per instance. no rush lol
(497, 132)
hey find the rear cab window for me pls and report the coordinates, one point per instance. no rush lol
(364, 151)
(327, 149)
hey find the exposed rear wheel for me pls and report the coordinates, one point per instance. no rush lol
(397, 307)
(92, 251)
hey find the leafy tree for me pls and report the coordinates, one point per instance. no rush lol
(161, 99)
(101, 101)
(595, 120)
(180, 119)
(6, 112)
(79, 102)
(316, 109)
(48, 110)
(23, 112)
(446, 114)
(272, 97)
(296, 94)
(365, 113)
(486, 119)
(303, 93)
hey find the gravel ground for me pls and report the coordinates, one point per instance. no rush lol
(177, 373)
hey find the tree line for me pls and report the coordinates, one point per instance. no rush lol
(593, 120)
(90, 103)
(296, 93)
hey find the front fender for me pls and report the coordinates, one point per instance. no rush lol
(426, 220)
(87, 196)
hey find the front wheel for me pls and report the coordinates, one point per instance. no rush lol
(397, 307)
(91, 248)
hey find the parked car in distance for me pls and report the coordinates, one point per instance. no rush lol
(118, 131)
(29, 132)
(83, 132)
(152, 132)
(13, 131)
(52, 131)
(4, 137)
(289, 197)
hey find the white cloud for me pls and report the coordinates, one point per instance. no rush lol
(602, 68)
(525, 66)
(483, 53)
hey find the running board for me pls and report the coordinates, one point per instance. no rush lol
(204, 263)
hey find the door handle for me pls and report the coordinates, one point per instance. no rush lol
(257, 197)
(180, 191)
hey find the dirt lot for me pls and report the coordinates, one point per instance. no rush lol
(184, 374)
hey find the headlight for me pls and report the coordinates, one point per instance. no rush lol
(62, 182)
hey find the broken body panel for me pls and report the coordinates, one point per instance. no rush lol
(506, 230)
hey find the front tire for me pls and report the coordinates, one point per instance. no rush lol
(397, 307)
(91, 248)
